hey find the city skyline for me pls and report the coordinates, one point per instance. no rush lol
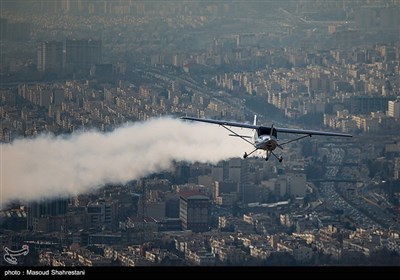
(98, 170)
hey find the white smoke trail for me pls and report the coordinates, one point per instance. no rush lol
(50, 166)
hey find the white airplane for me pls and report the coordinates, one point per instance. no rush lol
(265, 138)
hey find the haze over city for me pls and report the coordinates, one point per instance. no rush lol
(98, 169)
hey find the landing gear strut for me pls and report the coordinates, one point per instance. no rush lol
(271, 152)
(247, 154)
(268, 154)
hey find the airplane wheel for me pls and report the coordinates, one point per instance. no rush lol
(280, 159)
(266, 159)
(245, 155)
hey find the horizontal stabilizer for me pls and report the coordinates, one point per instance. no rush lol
(241, 136)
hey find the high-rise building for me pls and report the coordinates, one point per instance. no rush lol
(194, 211)
(58, 96)
(218, 171)
(394, 108)
(388, 53)
(82, 54)
(296, 184)
(45, 97)
(235, 169)
(224, 187)
(46, 208)
(397, 168)
(172, 206)
(50, 56)
(227, 170)
(102, 212)
(366, 104)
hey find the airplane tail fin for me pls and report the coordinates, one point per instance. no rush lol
(255, 131)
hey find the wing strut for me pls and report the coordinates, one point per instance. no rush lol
(296, 139)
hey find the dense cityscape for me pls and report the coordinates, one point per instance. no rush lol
(77, 67)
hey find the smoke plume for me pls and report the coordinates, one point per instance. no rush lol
(51, 166)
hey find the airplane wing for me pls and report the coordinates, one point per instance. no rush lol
(224, 123)
(311, 132)
(282, 130)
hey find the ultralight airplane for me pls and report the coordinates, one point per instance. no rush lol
(265, 138)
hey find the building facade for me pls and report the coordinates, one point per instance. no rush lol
(194, 211)
(82, 54)
(50, 56)
(394, 108)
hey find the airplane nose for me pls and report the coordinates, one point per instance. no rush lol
(271, 145)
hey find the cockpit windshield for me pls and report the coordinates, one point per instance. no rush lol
(262, 130)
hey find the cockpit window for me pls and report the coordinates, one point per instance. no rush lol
(266, 131)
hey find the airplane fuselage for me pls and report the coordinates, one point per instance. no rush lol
(266, 142)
